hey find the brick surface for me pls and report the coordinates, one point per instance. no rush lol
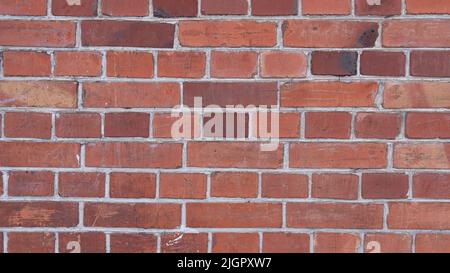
(227, 126)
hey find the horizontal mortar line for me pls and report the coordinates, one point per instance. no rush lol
(216, 48)
(215, 200)
(349, 17)
(350, 79)
(219, 169)
(203, 110)
(223, 230)
(222, 140)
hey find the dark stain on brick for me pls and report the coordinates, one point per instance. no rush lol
(368, 37)
(348, 61)
(160, 14)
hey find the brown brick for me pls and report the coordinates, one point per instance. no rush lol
(274, 8)
(30, 183)
(376, 63)
(385, 186)
(127, 125)
(127, 34)
(64, 8)
(175, 8)
(334, 63)
(430, 63)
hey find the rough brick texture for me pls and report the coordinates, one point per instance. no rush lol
(90, 161)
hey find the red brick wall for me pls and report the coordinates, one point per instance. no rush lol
(87, 162)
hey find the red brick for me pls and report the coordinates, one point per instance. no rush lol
(235, 243)
(428, 125)
(278, 64)
(85, 8)
(337, 63)
(26, 63)
(227, 34)
(28, 242)
(129, 64)
(132, 185)
(81, 184)
(184, 243)
(232, 155)
(416, 33)
(430, 63)
(163, 216)
(182, 185)
(431, 185)
(38, 214)
(163, 123)
(233, 215)
(31, 8)
(388, 243)
(224, 7)
(30, 184)
(328, 7)
(234, 185)
(133, 155)
(78, 63)
(181, 64)
(335, 186)
(331, 215)
(328, 94)
(417, 95)
(432, 7)
(78, 125)
(28, 125)
(132, 34)
(336, 243)
(379, 63)
(377, 125)
(338, 155)
(328, 33)
(130, 95)
(284, 186)
(386, 8)
(127, 125)
(234, 93)
(38, 94)
(414, 215)
(39, 154)
(240, 64)
(285, 243)
(37, 33)
(234, 125)
(88, 242)
(133, 243)
(289, 125)
(385, 186)
(422, 156)
(125, 8)
(432, 243)
(175, 8)
(328, 125)
(274, 8)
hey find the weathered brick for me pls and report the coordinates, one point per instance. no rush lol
(335, 186)
(415, 215)
(133, 243)
(81, 184)
(133, 155)
(328, 125)
(377, 125)
(378, 63)
(182, 185)
(328, 7)
(386, 8)
(284, 186)
(422, 156)
(125, 8)
(25, 8)
(26, 63)
(224, 7)
(227, 34)
(130, 95)
(336, 243)
(55, 94)
(417, 95)
(389, 243)
(163, 216)
(232, 155)
(431, 185)
(127, 124)
(235, 243)
(181, 64)
(27, 242)
(127, 34)
(89, 242)
(278, 64)
(233, 215)
(30, 184)
(416, 33)
(129, 64)
(328, 94)
(330, 215)
(432, 7)
(338, 155)
(234, 185)
(385, 186)
(285, 243)
(336, 63)
(274, 8)
(28, 125)
(78, 63)
(175, 8)
(328, 33)
(428, 125)
(37, 33)
(78, 125)
(430, 63)
(184, 243)
(241, 64)
(132, 185)
(84, 8)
